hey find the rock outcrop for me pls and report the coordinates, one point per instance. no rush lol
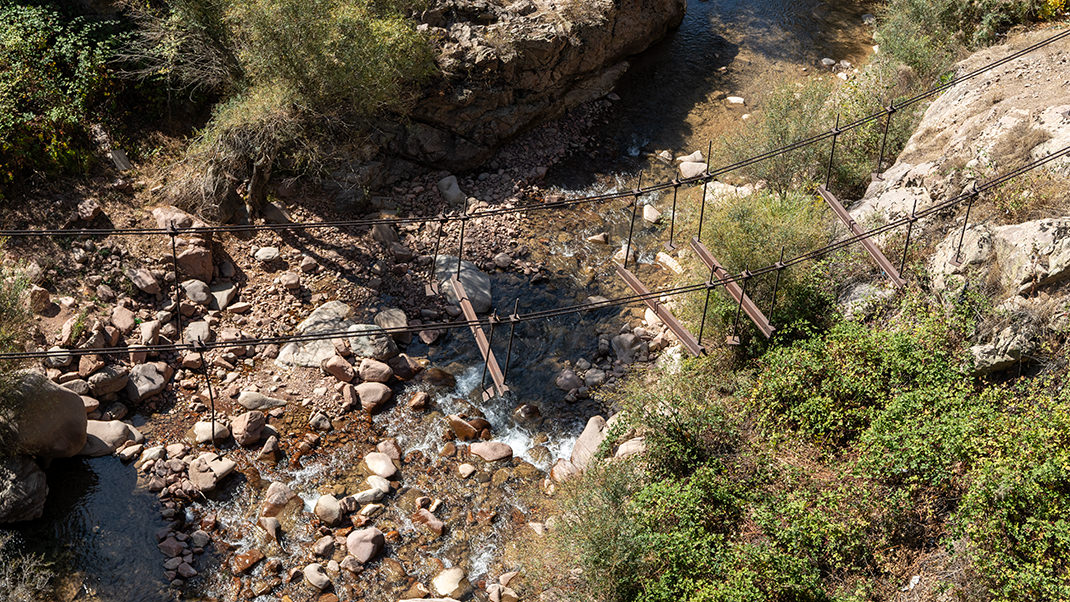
(970, 134)
(510, 66)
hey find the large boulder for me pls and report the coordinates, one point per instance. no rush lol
(23, 489)
(583, 452)
(333, 316)
(51, 420)
(103, 437)
(194, 250)
(476, 283)
(369, 340)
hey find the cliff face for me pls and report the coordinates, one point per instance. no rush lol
(1016, 247)
(510, 66)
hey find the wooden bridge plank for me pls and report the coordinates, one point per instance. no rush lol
(496, 376)
(870, 246)
(734, 289)
(689, 341)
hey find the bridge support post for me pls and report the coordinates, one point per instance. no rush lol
(776, 283)
(884, 138)
(490, 345)
(672, 220)
(432, 286)
(705, 184)
(735, 338)
(706, 305)
(906, 244)
(513, 319)
(832, 153)
(173, 232)
(957, 259)
(631, 226)
(460, 250)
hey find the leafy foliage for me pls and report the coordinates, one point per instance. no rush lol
(53, 82)
(928, 35)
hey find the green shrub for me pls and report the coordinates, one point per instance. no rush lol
(929, 35)
(54, 81)
(683, 426)
(299, 80)
(1014, 513)
(13, 321)
(830, 387)
(750, 232)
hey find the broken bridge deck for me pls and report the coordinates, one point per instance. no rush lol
(734, 289)
(867, 242)
(682, 333)
(498, 388)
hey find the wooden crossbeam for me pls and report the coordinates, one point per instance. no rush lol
(867, 243)
(734, 289)
(498, 389)
(689, 341)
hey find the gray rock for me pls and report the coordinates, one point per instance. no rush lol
(197, 331)
(223, 294)
(1006, 350)
(203, 431)
(206, 472)
(104, 437)
(369, 340)
(108, 380)
(320, 422)
(145, 381)
(23, 489)
(451, 191)
(586, 446)
(476, 282)
(392, 317)
(197, 291)
(626, 347)
(144, 281)
(567, 380)
(252, 400)
(334, 316)
(266, 254)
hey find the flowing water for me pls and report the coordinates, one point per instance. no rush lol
(99, 527)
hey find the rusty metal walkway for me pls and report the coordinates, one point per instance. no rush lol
(870, 246)
(738, 294)
(686, 338)
(498, 388)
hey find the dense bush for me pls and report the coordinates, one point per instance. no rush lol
(54, 82)
(929, 35)
(296, 76)
(13, 319)
(749, 232)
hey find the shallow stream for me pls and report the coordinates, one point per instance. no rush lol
(101, 529)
